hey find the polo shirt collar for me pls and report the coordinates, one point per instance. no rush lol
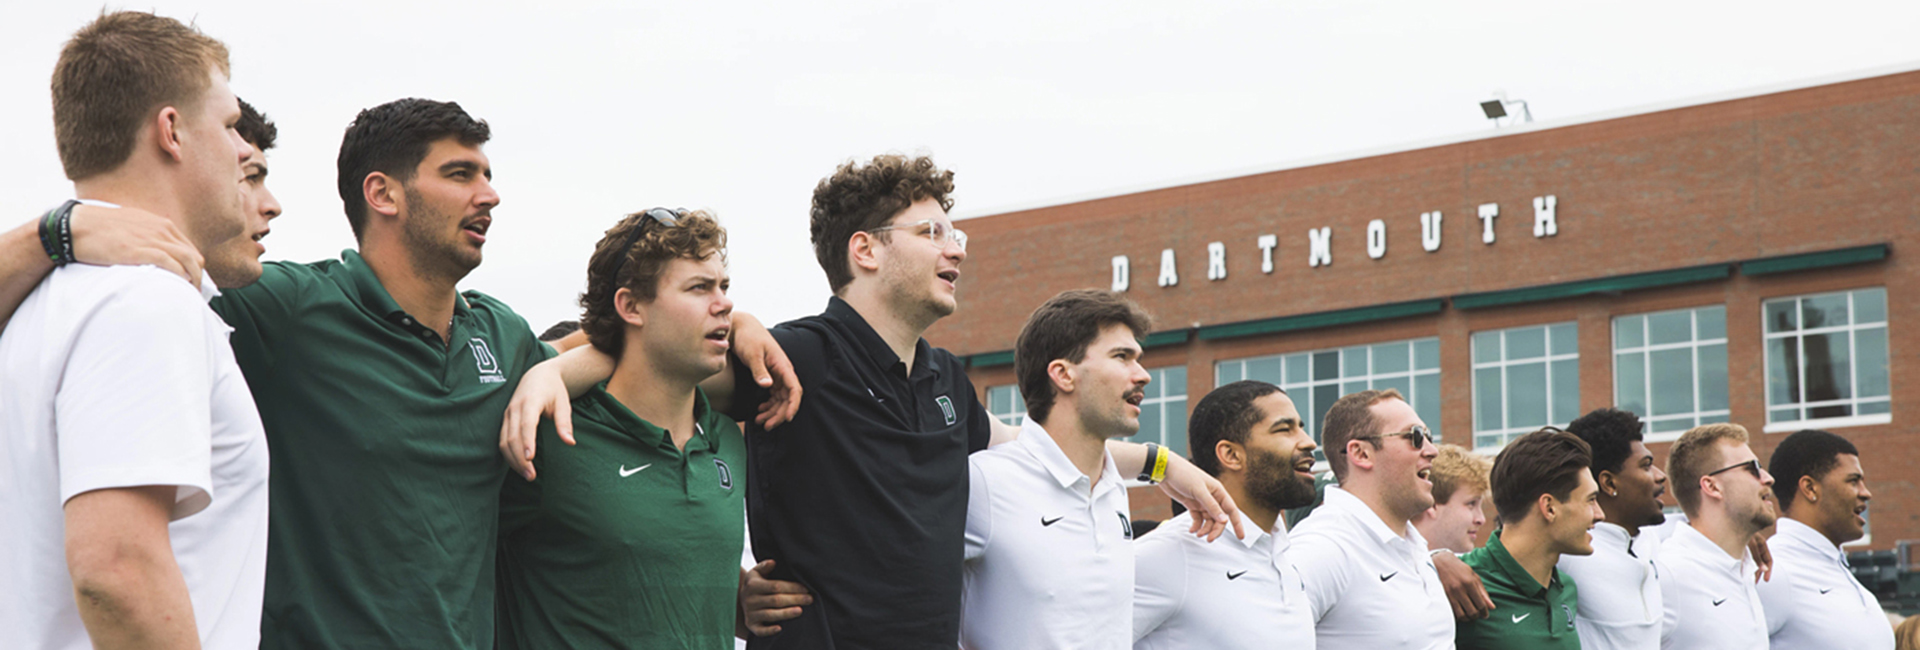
(1517, 575)
(208, 290)
(875, 347)
(1346, 501)
(1038, 442)
(650, 434)
(1254, 533)
(1799, 533)
(1612, 536)
(373, 297)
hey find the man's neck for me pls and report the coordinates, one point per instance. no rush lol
(1085, 449)
(901, 333)
(426, 297)
(135, 188)
(1811, 520)
(1723, 532)
(659, 398)
(1529, 545)
(1613, 517)
(1260, 515)
(1375, 498)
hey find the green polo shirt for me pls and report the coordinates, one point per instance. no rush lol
(386, 465)
(624, 541)
(1526, 616)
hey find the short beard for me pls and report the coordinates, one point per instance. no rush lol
(1658, 517)
(432, 256)
(1272, 483)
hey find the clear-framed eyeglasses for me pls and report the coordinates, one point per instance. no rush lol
(938, 232)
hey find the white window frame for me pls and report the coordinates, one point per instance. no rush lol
(1340, 378)
(1853, 326)
(1019, 404)
(1646, 351)
(1507, 434)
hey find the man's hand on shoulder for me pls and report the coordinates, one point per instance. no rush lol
(771, 370)
(131, 236)
(1464, 591)
(1213, 509)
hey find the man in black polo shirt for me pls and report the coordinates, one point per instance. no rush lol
(863, 497)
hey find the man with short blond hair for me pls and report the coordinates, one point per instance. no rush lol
(1706, 572)
(1460, 487)
(138, 508)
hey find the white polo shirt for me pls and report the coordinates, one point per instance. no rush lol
(1369, 587)
(1049, 553)
(1709, 596)
(119, 377)
(1813, 601)
(1619, 590)
(1231, 593)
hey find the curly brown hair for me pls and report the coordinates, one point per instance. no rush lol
(859, 198)
(696, 236)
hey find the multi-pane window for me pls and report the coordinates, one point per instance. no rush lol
(1005, 404)
(1670, 368)
(1523, 379)
(1163, 415)
(1827, 358)
(1316, 379)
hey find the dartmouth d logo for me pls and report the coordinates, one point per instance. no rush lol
(726, 474)
(484, 361)
(946, 408)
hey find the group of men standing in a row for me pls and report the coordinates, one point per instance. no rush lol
(888, 509)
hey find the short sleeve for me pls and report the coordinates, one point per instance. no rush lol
(979, 422)
(979, 511)
(1322, 566)
(259, 310)
(134, 405)
(1159, 581)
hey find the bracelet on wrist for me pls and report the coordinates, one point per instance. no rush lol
(56, 233)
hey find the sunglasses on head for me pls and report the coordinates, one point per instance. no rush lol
(665, 217)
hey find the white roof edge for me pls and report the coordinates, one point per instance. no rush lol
(1699, 100)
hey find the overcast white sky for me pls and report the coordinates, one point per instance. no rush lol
(603, 108)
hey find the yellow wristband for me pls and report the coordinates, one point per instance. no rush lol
(1159, 464)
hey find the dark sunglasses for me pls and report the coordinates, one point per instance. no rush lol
(1752, 467)
(665, 217)
(1417, 436)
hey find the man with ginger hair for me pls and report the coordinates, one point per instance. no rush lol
(1706, 572)
(1460, 487)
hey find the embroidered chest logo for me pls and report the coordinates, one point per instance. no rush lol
(1126, 527)
(1567, 613)
(946, 409)
(726, 474)
(485, 362)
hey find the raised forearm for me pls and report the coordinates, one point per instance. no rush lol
(1130, 457)
(583, 367)
(22, 265)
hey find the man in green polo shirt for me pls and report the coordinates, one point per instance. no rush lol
(1547, 503)
(631, 538)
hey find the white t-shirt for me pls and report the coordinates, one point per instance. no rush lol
(1228, 594)
(1709, 596)
(1813, 601)
(1619, 590)
(1049, 553)
(1370, 588)
(114, 377)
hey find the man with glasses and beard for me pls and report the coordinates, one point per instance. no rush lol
(1232, 593)
(1706, 573)
(1619, 596)
(1369, 579)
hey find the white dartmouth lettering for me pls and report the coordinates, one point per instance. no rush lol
(1430, 230)
(1544, 224)
(1120, 273)
(1168, 276)
(1267, 244)
(1217, 261)
(1487, 212)
(1319, 247)
(1376, 239)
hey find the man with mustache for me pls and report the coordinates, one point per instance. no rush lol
(1232, 593)
(1368, 575)
(1706, 572)
(1546, 500)
(1813, 600)
(1620, 602)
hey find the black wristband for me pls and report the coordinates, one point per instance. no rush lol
(1146, 471)
(56, 233)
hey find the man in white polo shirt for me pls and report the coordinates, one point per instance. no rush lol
(1813, 600)
(136, 501)
(1368, 576)
(1619, 589)
(1706, 573)
(1049, 554)
(1232, 593)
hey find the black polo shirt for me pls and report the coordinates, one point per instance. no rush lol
(863, 496)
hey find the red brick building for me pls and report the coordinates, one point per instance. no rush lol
(1731, 260)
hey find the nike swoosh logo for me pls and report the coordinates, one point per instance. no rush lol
(1522, 617)
(624, 472)
(1389, 576)
(1717, 602)
(1049, 522)
(1231, 576)
(1823, 592)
